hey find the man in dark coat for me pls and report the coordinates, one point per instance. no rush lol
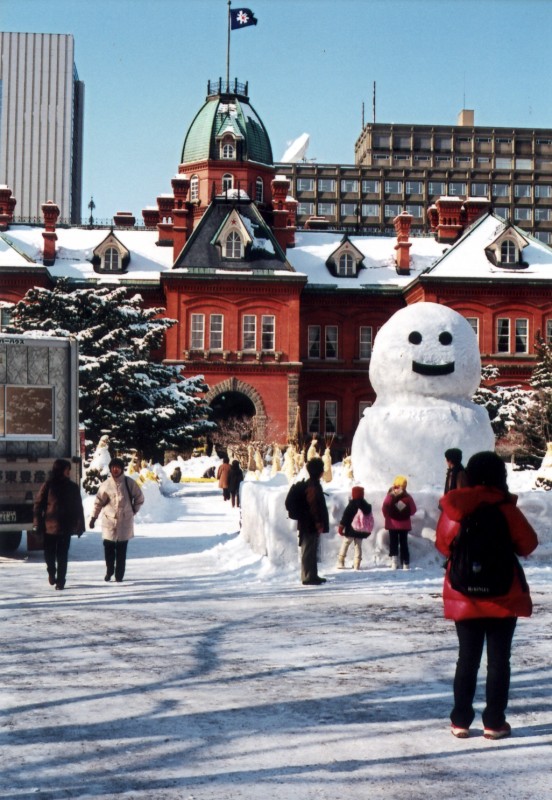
(313, 521)
(456, 474)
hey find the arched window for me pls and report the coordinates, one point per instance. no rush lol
(233, 246)
(228, 150)
(227, 182)
(259, 190)
(194, 188)
(508, 252)
(111, 260)
(346, 265)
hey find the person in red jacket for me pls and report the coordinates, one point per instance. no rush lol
(398, 506)
(490, 619)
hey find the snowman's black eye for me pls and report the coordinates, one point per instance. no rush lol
(445, 337)
(415, 337)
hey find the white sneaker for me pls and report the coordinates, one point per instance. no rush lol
(406, 566)
(393, 562)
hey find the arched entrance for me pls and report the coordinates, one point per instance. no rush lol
(239, 411)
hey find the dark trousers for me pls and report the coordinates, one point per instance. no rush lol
(398, 543)
(309, 556)
(115, 558)
(56, 554)
(472, 634)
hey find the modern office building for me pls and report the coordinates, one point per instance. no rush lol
(408, 167)
(41, 123)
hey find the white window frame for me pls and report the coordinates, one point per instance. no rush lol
(542, 215)
(326, 185)
(431, 188)
(194, 188)
(216, 331)
(457, 188)
(392, 210)
(305, 209)
(365, 342)
(414, 187)
(474, 324)
(111, 261)
(522, 214)
(479, 189)
(522, 190)
(501, 190)
(349, 209)
(543, 190)
(314, 334)
(227, 182)
(371, 186)
(331, 342)
(305, 184)
(521, 337)
(228, 151)
(249, 332)
(326, 209)
(259, 190)
(394, 187)
(268, 333)
(197, 332)
(233, 246)
(346, 266)
(370, 210)
(313, 416)
(349, 185)
(508, 252)
(549, 332)
(330, 416)
(503, 326)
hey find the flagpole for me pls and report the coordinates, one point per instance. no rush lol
(228, 50)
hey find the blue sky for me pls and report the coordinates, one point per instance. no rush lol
(310, 66)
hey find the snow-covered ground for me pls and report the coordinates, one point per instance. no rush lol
(212, 674)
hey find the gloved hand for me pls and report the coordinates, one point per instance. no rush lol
(340, 530)
(92, 522)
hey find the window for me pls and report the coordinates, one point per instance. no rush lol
(111, 259)
(371, 187)
(398, 159)
(268, 332)
(542, 236)
(483, 139)
(414, 187)
(503, 163)
(314, 341)
(197, 337)
(436, 187)
(543, 190)
(305, 209)
(233, 246)
(365, 342)
(522, 214)
(503, 335)
(331, 341)
(522, 338)
(228, 150)
(5, 317)
(544, 141)
(346, 265)
(380, 140)
(474, 322)
(249, 332)
(259, 190)
(401, 141)
(330, 416)
(27, 411)
(349, 185)
(542, 215)
(508, 252)
(442, 142)
(227, 182)
(549, 332)
(416, 211)
(370, 210)
(463, 159)
(392, 210)
(443, 159)
(313, 416)
(326, 185)
(326, 209)
(457, 188)
(422, 158)
(479, 189)
(393, 187)
(501, 189)
(483, 160)
(194, 188)
(502, 211)
(522, 190)
(502, 140)
(524, 163)
(380, 157)
(305, 184)
(349, 209)
(215, 332)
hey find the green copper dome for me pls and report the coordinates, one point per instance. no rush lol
(227, 108)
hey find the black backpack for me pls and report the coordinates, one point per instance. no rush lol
(296, 500)
(483, 561)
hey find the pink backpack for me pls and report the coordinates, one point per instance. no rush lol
(363, 523)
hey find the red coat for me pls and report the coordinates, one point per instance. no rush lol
(456, 505)
(398, 519)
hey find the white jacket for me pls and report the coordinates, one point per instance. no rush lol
(114, 500)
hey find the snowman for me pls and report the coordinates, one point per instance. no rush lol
(424, 369)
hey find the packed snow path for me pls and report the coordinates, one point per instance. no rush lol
(207, 675)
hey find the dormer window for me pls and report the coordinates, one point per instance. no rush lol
(346, 265)
(259, 190)
(508, 252)
(227, 182)
(233, 245)
(194, 188)
(111, 260)
(228, 151)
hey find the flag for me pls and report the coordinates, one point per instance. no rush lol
(241, 18)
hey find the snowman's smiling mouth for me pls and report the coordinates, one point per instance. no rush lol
(433, 369)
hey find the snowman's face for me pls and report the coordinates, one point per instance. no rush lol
(426, 349)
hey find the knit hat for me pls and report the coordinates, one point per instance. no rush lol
(400, 480)
(357, 493)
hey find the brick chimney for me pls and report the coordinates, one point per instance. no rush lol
(433, 217)
(151, 216)
(475, 207)
(50, 211)
(165, 204)
(450, 226)
(7, 206)
(124, 219)
(180, 213)
(281, 212)
(403, 224)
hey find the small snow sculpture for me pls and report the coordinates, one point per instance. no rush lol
(312, 452)
(276, 460)
(327, 459)
(289, 463)
(424, 369)
(544, 475)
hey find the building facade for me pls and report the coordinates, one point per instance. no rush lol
(407, 167)
(41, 123)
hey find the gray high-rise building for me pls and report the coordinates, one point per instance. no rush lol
(41, 123)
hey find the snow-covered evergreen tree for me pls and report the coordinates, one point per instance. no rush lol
(535, 424)
(138, 401)
(504, 404)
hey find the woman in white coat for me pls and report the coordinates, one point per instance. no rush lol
(119, 498)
